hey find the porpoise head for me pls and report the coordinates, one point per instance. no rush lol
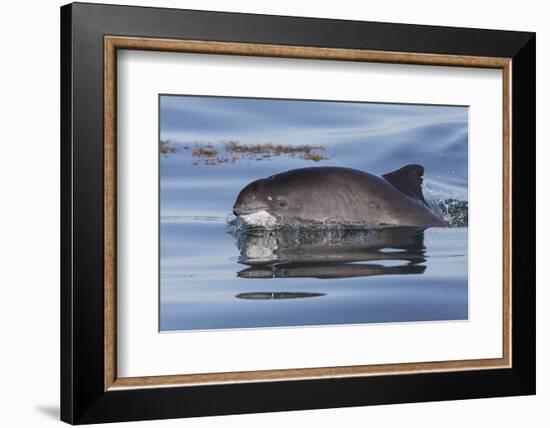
(268, 196)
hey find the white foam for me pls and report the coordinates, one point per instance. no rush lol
(260, 218)
(261, 249)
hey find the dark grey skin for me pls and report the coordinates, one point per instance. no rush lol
(336, 193)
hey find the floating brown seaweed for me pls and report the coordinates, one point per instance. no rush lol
(233, 151)
(204, 152)
(314, 157)
(235, 147)
(165, 147)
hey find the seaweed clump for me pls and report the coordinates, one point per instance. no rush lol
(166, 147)
(278, 149)
(233, 151)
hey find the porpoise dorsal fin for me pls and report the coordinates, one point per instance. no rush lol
(408, 180)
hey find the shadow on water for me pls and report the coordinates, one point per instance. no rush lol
(330, 253)
(273, 295)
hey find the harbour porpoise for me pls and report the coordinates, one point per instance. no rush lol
(324, 194)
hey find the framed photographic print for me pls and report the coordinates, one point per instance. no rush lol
(265, 213)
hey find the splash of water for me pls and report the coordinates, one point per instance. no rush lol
(454, 212)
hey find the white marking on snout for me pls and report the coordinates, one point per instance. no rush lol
(260, 218)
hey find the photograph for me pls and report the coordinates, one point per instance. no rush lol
(301, 213)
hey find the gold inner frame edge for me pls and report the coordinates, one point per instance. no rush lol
(113, 43)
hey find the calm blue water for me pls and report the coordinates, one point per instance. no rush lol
(215, 275)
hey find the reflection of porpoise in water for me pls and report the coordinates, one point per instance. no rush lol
(330, 253)
(324, 194)
(311, 245)
(266, 295)
(331, 270)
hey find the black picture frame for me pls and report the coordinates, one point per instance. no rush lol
(83, 397)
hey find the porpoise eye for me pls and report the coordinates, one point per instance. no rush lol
(281, 202)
